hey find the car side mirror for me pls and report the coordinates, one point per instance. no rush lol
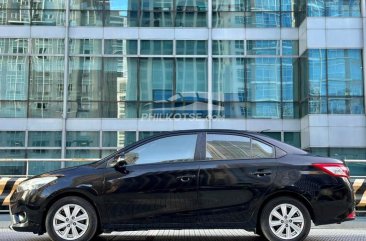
(120, 163)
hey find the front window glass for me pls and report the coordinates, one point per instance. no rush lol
(168, 149)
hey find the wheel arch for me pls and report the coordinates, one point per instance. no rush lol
(284, 193)
(69, 193)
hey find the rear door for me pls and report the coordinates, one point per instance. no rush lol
(236, 173)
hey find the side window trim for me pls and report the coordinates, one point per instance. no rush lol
(200, 152)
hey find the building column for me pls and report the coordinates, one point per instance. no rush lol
(209, 65)
(363, 15)
(66, 80)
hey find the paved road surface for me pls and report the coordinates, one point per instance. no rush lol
(198, 235)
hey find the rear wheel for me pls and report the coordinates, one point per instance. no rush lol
(285, 218)
(71, 218)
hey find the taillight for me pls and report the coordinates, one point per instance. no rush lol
(333, 169)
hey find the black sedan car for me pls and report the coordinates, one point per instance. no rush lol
(189, 180)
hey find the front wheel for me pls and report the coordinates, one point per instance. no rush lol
(285, 218)
(71, 218)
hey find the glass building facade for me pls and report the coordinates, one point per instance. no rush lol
(81, 78)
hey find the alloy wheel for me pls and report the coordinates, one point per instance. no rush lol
(286, 221)
(70, 222)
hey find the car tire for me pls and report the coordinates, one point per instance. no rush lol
(71, 218)
(285, 218)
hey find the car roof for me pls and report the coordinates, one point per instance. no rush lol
(286, 147)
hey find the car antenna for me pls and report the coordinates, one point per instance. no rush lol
(265, 130)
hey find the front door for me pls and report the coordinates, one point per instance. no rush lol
(159, 184)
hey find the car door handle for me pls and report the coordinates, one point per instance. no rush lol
(186, 178)
(262, 172)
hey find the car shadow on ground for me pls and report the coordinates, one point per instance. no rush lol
(177, 238)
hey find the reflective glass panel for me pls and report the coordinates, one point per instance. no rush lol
(344, 72)
(14, 77)
(228, 47)
(47, 78)
(119, 110)
(42, 109)
(264, 79)
(13, 109)
(290, 5)
(82, 139)
(48, 17)
(13, 154)
(263, 5)
(228, 19)
(317, 72)
(157, 19)
(264, 110)
(85, 46)
(145, 134)
(263, 47)
(318, 105)
(156, 47)
(343, 8)
(316, 8)
(12, 167)
(14, 46)
(17, 4)
(344, 105)
(191, 77)
(191, 5)
(156, 79)
(290, 79)
(48, 4)
(161, 5)
(118, 138)
(289, 20)
(18, 16)
(290, 110)
(293, 138)
(290, 47)
(44, 46)
(117, 18)
(263, 19)
(38, 167)
(120, 47)
(86, 18)
(191, 19)
(85, 79)
(274, 135)
(86, 4)
(191, 47)
(358, 168)
(121, 5)
(120, 79)
(85, 153)
(224, 5)
(44, 138)
(12, 138)
(84, 109)
(232, 69)
(229, 110)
